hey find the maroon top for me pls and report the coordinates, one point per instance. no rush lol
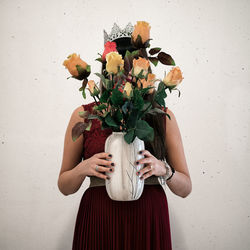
(94, 140)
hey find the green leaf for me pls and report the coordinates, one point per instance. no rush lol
(104, 97)
(80, 69)
(133, 117)
(129, 136)
(110, 121)
(155, 111)
(127, 60)
(83, 94)
(118, 115)
(138, 40)
(88, 68)
(138, 101)
(99, 59)
(153, 60)
(135, 53)
(108, 84)
(78, 129)
(89, 126)
(143, 131)
(125, 107)
(165, 59)
(101, 76)
(91, 117)
(160, 94)
(100, 107)
(154, 51)
(169, 117)
(116, 97)
(83, 114)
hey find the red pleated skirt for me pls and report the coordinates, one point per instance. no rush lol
(105, 224)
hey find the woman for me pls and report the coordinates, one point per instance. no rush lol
(103, 223)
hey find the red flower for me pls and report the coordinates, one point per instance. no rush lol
(108, 47)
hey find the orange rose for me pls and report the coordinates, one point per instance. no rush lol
(174, 77)
(141, 28)
(76, 66)
(139, 65)
(146, 83)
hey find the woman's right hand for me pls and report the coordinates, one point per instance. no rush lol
(104, 163)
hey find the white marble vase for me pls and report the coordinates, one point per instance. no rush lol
(124, 184)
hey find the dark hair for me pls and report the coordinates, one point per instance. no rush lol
(157, 147)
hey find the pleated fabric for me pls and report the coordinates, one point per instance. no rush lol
(105, 224)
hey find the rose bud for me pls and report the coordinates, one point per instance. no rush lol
(128, 89)
(93, 89)
(108, 47)
(141, 28)
(139, 65)
(77, 67)
(114, 59)
(174, 77)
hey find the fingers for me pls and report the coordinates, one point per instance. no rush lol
(145, 152)
(104, 169)
(104, 162)
(102, 176)
(143, 161)
(101, 172)
(145, 172)
(104, 155)
(100, 159)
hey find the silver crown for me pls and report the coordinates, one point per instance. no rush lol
(117, 32)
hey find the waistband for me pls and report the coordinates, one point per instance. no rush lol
(95, 181)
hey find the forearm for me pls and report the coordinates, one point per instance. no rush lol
(180, 184)
(70, 181)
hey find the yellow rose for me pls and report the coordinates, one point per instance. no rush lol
(71, 64)
(174, 77)
(93, 89)
(141, 28)
(114, 59)
(139, 65)
(146, 83)
(128, 88)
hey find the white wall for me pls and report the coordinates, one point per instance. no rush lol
(209, 40)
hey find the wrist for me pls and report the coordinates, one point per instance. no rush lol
(169, 173)
(80, 170)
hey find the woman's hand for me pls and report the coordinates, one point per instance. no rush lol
(88, 166)
(152, 166)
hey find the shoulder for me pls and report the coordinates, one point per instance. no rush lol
(172, 128)
(75, 113)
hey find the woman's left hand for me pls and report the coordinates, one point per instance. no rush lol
(152, 166)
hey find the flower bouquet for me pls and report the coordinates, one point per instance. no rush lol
(121, 104)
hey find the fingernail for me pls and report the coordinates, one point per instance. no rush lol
(112, 164)
(110, 169)
(141, 177)
(110, 155)
(140, 152)
(138, 173)
(108, 178)
(137, 162)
